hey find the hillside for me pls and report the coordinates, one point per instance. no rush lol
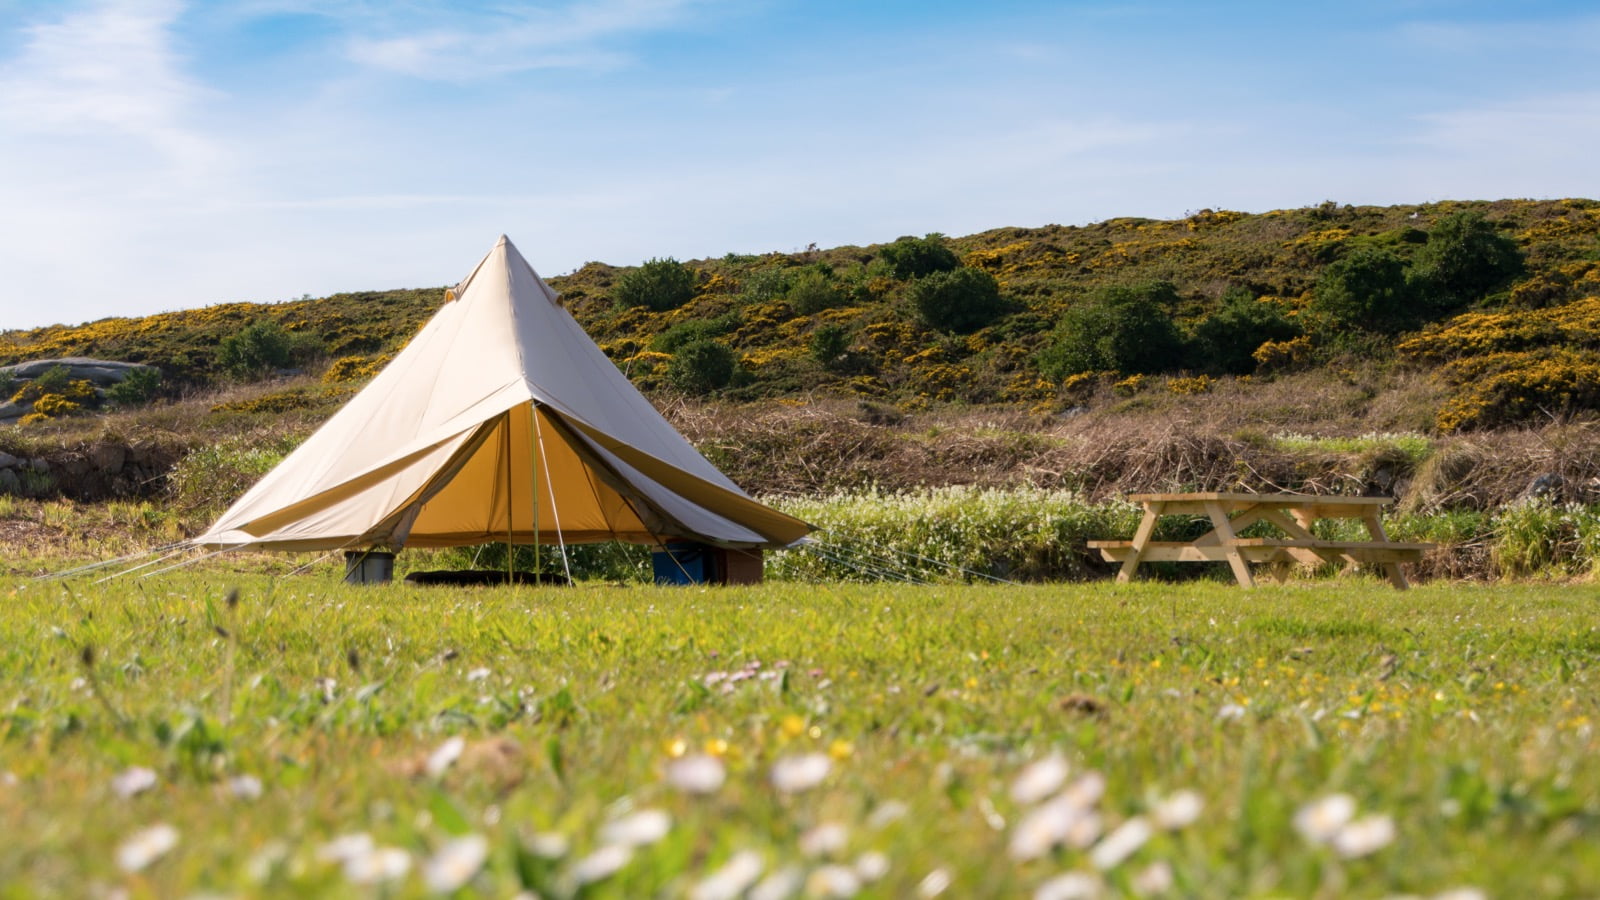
(846, 321)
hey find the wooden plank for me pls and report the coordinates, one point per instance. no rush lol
(1141, 536)
(1229, 541)
(1261, 499)
(1320, 544)
(1165, 551)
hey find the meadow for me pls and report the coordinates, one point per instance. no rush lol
(223, 734)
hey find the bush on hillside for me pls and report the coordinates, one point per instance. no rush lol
(261, 347)
(960, 300)
(814, 291)
(828, 344)
(1122, 328)
(911, 257)
(659, 285)
(1368, 290)
(702, 367)
(137, 388)
(1465, 260)
(1226, 340)
(689, 331)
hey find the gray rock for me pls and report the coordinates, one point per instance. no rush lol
(7, 461)
(9, 410)
(9, 482)
(101, 371)
(108, 458)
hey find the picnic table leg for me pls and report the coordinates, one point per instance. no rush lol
(1230, 543)
(1141, 537)
(1392, 569)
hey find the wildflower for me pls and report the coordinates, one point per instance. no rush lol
(1042, 829)
(1363, 836)
(444, 757)
(1230, 712)
(638, 829)
(601, 864)
(478, 674)
(1179, 809)
(732, 880)
(377, 866)
(345, 846)
(455, 863)
(886, 814)
(245, 787)
(824, 840)
(1462, 893)
(1086, 791)
(872, 866)
(793, 774)
(1121, 844)
(1071, 886)
(549, 845)
(1153, 879)
(833, 882)
(145, 847)
(1320, 820)
(133, 780)
(933, 884)
(697, 774)
(1039, 779)
(779, 885)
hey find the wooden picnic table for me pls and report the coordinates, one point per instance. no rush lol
(1291, 514)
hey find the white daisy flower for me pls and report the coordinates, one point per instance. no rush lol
(1230, 712)
(793, 774)
(637, 829)
(826, 839)
(833, 882)
(455, 863)
(1085, 791)
(478, 674)
(1319, 820)
(145, 847)
(1042, 829)
(245, 787)
(933, 884)
(872, 866)
(1121, 843)
(1039, 779)
(346, 846)
(780, 885)
(549, 845)
(1462, 893)
(378, 865)
(1179, 809)
(732, 880)
(1070, 886)
(133, 780)
(886, 814)
(1364, 836)
(601, 864)
(697, 774)
(1154, 879)
(445, 756)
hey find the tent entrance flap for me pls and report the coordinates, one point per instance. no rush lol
(498, 492)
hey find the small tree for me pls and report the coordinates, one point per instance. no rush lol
(702, 367)
(137, 388)
(659, 285)
(960, 300)
(1466, 259)
(911, 257)
(829, 343)
(1121, 328)
(1227, 340)
(258, 348)
(812, 292)
(1367, 290)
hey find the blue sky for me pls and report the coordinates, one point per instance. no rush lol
(162, 154)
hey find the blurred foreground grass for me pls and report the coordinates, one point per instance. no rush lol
(914, 732)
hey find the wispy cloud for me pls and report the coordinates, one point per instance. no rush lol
(108, 70)
(505, 39)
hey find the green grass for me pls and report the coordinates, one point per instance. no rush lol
(1464, 713)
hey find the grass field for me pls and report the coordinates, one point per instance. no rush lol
(797, 740)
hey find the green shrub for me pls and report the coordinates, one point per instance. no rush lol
(911, 257)
(608, 561)
(1537, 537)
(8, 384)
(1464, 260)
(959, 300)
(659, 285)
(1121, 328)
(1227, 340)
(814, 291)
(829, 343)
(681, 334)
(702, 367)
(1368, 290)
(136, 389)
(209, 479)
(260, 347)
(765, 285)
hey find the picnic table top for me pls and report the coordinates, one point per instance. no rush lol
(1262, 499)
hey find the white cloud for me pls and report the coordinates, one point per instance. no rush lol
(508, 39)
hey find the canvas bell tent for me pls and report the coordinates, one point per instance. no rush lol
(501, 421)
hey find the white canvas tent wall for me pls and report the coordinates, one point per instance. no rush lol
(501, 420)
